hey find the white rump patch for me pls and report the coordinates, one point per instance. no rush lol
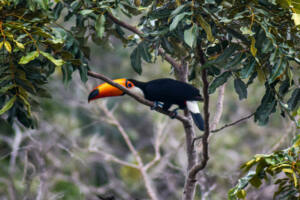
(193, 106)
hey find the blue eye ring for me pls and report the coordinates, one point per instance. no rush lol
(129, 85)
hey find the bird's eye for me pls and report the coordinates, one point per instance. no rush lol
(129, 85)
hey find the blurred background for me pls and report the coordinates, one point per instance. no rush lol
(77, 152)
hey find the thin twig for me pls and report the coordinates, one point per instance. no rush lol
(233, 123)
(147, 180)
(113, 158)
(139, 33)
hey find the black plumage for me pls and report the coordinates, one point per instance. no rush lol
(168, 91)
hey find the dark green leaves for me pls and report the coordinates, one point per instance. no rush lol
(177, 19)
(294, 101)
(248, 68)
(278, 69)
(8, 105)
(29, 57)
(141, 51)
(240, 88)
(144, 49)
(99, 26)
(221, 60)
(282, 166)
(267, 106)
(190, 36)
(220, 80)
(57, 62)
(136, 61)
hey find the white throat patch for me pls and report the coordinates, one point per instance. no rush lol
(137, 91)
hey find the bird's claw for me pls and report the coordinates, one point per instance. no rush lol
(156, 105)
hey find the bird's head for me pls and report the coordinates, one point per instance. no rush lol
(107, 90)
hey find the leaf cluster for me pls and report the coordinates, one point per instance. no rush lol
(281, 166)
(30, 51)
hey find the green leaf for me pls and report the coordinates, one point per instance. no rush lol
(19, 45)
(255, 181)
(278, 69)
(144, 50)
(241, 194)
(8, 105)
(248, 69)
(86, 11)
(6, 88)
(57, 62)
(1, 45)
(226, 54)
(177, 19)
(246, 31)
(7, 46)
(29, 57)
(83, 73)
(100, 26)
(26, 103)
(267, 106)
(190, 36)
(167, 46)
(253, 49)
(240, 88)
(136, 61)
(235, 61)
(220, 80)
(179, 9)
(296, 18)
(294, 101)
(284, 87)
(206, 28)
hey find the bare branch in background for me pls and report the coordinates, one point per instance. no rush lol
(141, 167)
(219, 109)
(15, 149)
(233, 123)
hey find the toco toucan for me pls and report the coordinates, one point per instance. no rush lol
(165, 90)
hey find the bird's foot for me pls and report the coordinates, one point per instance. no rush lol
(156, 105)
(173, 113)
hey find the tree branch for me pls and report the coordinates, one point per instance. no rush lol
(136, 97)
(219, 108)
(141, 167)
(233, 123)
(139, 33)
(190, 183)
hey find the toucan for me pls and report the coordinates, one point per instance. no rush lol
(163, 92)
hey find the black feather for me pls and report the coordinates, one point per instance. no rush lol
(198, 120)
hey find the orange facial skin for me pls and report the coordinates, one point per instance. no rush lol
(107, 90)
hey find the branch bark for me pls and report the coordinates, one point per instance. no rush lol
(141, 167)
(219, 109)
(140, 34)
(233, 123)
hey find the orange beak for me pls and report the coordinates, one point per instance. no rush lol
(107, 90)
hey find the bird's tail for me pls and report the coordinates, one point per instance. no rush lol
(195, 112)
